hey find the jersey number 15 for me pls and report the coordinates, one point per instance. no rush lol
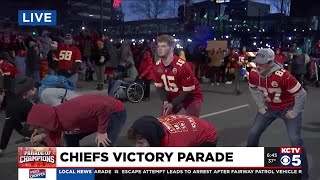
(168, 82)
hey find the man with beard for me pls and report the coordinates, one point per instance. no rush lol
(175, 82)
(69, 60)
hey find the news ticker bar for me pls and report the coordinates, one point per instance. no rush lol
(94, 174)
(191, 157)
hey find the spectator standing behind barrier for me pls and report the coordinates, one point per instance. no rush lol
(114, 61)
(52, 58)
(100, 57)
(20, 50)
(33, 61)
(237, 65)
(146, 71)
(214, 64)
(279, 57)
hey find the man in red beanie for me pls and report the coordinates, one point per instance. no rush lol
(77, 118)
(172, 131)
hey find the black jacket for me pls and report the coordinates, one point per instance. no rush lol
(17, 110)
(96, 55)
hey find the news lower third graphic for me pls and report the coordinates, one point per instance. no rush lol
(37, 18)
(87, 163)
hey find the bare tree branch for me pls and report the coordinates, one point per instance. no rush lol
(286, 6)
(142, 9)
(152, 9)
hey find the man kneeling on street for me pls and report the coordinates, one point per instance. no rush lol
(78, 118)
(172, 131)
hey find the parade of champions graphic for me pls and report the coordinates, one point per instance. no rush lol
(88, 163)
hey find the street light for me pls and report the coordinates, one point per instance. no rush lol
(254, 43)
(290, 38)
(83, 28)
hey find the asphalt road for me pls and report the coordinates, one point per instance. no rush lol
(232, 115)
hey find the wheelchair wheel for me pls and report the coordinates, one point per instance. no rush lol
(135, 92)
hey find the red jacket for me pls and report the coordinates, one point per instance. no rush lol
(234, 59)
(279, 58)
(186, 131)
(8, 69)
(84, 114)
(146, 67)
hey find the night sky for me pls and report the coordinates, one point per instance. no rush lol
(131, 16)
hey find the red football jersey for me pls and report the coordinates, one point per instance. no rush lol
(8, 69)
(278, 88)
(175, 78)
(186, 131)
(67, 56)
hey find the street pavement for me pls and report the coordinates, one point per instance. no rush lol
(232, 115)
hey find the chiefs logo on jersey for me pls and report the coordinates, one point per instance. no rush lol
(174, 70)
(274, 84)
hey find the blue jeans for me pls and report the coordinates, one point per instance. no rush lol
(262, 121)
(35, 75)
(113, 85)
(21, 64)
(115, 125)
(74, 79)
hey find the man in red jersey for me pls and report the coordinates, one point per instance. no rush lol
(78, 118)
(172, 131)
(69, 60)
(278, 95)
(175, 82)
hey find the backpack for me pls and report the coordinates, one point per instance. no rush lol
(52, 81)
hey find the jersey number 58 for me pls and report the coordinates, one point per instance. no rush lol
(65, 55)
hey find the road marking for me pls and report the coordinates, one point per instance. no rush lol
(223, 111)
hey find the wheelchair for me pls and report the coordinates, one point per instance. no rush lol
(133, 92)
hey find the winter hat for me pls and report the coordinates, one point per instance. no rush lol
(149, 128)
(23, 84)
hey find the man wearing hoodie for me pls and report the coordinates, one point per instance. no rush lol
(172, 131)
(17, 105)
(95, 113)
(278, 95)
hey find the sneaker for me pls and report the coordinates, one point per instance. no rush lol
(218, 84)
(237, 92)
(229, 82)
(23, 140)
(212, 84)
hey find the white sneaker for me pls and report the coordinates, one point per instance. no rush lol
(218, 84)
(229, 82)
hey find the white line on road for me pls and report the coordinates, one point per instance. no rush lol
(223, 111)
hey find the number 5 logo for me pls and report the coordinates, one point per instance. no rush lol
(168, 84)
(65, 55)
(296, 161)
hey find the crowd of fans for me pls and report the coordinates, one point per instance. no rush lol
(35, 56)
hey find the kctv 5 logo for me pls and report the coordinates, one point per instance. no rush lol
(290, 156)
